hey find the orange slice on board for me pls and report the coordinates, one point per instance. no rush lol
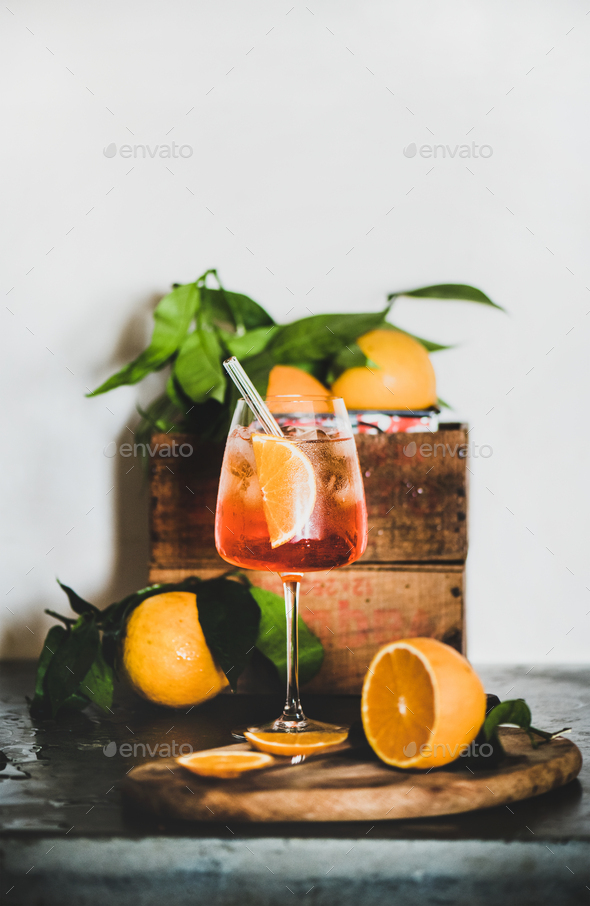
(224, 763)
(287, 483)
(295, 743)
(422, 704)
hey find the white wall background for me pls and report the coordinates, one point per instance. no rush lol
(297, 116)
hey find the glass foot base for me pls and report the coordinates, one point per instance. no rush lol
(305, 725)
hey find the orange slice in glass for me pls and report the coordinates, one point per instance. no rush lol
(295, 743)
(224, 763)
(422, 704)
(287, 483)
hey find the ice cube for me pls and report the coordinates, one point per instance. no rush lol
(300, 433)
(240, 467)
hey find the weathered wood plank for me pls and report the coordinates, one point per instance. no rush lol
(356, 610)
(416, 491)
(415, 485)
(183, 496)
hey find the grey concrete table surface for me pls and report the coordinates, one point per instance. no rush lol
(65, 837)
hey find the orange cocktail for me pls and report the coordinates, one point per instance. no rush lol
(333, 535)
(291, 500)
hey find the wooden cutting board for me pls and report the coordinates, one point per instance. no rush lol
(348, 786)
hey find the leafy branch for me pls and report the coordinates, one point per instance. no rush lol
(80, 660)
(197, 326)
(515, 712)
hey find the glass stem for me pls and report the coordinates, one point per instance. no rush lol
(292, 710)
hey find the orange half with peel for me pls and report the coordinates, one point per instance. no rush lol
(288, 486)
(422, 704)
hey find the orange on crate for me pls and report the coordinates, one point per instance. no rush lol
(287, 379)
(399, 374)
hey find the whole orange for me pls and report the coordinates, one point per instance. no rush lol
(165, 656)
(399, 374)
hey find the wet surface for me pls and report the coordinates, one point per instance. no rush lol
(62, 777)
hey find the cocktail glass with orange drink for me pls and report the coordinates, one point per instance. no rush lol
(292, 504)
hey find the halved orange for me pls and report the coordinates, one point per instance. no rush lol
(224, 763)
(287, 483)
(295, 743)
(422, 704)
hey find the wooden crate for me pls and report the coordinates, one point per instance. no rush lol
(410, 579)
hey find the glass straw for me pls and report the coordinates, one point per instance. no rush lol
(252, 397)
(292, 718)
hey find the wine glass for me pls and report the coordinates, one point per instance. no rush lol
(291, 504)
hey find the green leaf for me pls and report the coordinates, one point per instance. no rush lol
(229, 618)
(442, 405)
(78, 604)
(198, 367)
(250, 343)
(321, 336)
(54, 639)
(457, 291)
(512, 711)
(161, 415)
(224, 310)
(246, 311)
(68, 621)
(215, 311)
(71, 662)
(350, 356)
(515, 712)
(97, 685)
(173, 392)
(258, 368)
(429, 345)
(272, 637)
(172, 317)
(76, 702)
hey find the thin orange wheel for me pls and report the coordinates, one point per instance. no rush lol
(224, 763)
(295, 743)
